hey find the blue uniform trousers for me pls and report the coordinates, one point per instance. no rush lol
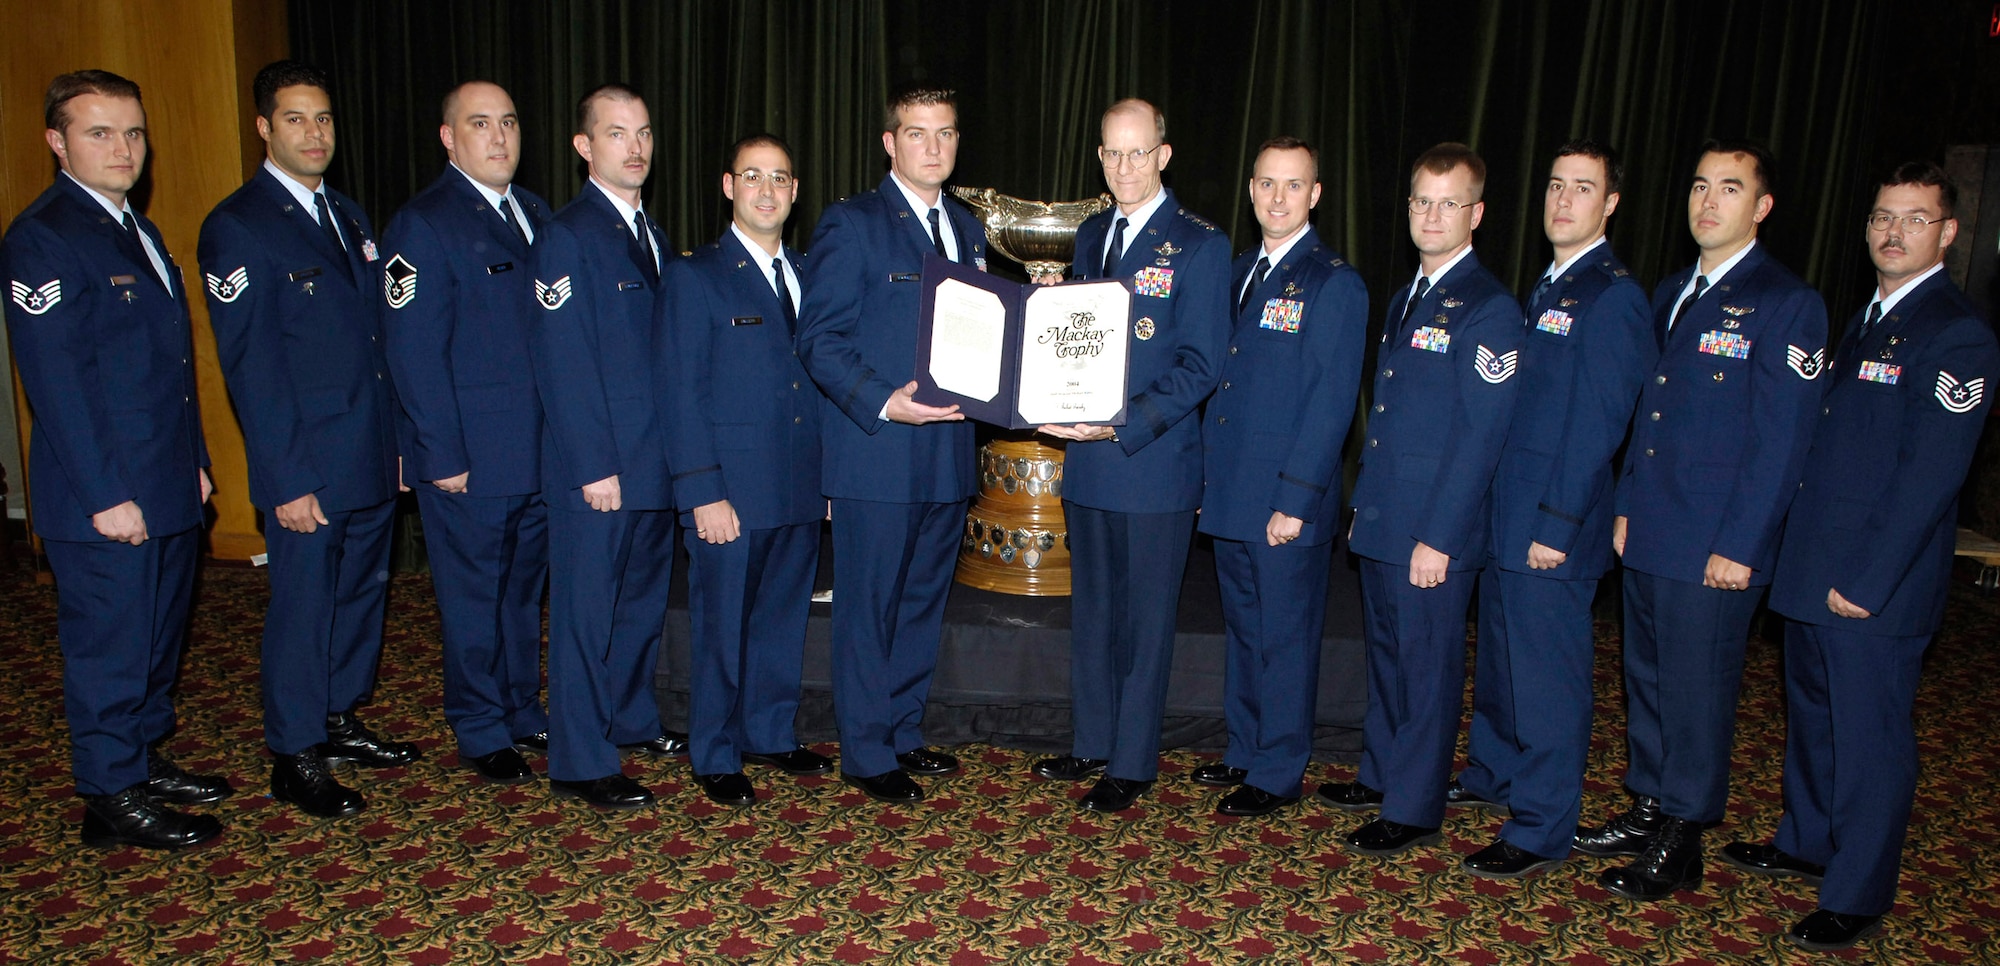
(1274, 608)
(1683, 664)
(1850, 759)
(1125, 579)
(1535, 634)
(608, 575)
(1416, 688)
(892, 565)
(489, 559)
(747, 603)
(323, 632)
(121, 618)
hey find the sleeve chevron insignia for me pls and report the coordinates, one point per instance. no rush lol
(36, 301)
(1959, 397)
(1807, 366)
(228, 289)
(553, 294)
(1495, 369)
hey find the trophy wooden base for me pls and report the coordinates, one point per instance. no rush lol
(1016, 541)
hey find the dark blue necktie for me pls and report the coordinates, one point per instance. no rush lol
(784, 292)
(1113, 251)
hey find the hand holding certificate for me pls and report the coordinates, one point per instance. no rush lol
(1020, 356)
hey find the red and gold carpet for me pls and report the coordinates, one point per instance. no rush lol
(996, 867)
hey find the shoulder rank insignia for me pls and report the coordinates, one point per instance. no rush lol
(1739, 311)
(1452, 303)
(1959, 397)
(36, 301)
(399, 281)
(1807, 366)
(554, 294)
(1492, 368)
(1168, 250)
(228, 288)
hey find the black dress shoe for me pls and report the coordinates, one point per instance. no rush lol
(132, 817)
(347, 739)
(1383, 837)
(1114, 794)
(728, 788)
(1773, 861)
(798, 761)
(612, 791)
(539, 741)
(167, 782)
(894, 787)
(1628, 833)
(1671, 863)
(303, 780)
(1457, 796)
(1250, 801)
(1502, 860)
(503, 767)
(670, 744)
(928, 763)
(1219, 775)
(1825, 930)
(1349, 796)
(1070, 768)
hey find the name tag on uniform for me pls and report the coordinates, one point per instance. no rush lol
(1882, 372)
(1431, 339)
(1282, 315)
(301, 276)
(497, 269)
(124, 280)
(1731, 344)
(747, 320)
(629, 286)
(906, 276)
(1554, 321)
(1154, 281)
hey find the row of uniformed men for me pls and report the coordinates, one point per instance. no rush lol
(1449, 488)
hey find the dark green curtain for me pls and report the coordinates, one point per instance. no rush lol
(1371, 82)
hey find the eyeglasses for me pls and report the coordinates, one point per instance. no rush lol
(1912, 224)
(754, 179)
(1445, 208)
(1113, 159)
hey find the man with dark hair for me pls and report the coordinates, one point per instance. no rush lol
(898, 472)
(1714, 458)
(117, 461)
(459, 306)
(291, 269)
(1444, 392)
(743, 436)
(1865, 562)
(1130, 494)
(1588, 344)
(1271, 444)
(597, 269)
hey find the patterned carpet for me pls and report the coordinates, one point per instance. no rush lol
(997, 867)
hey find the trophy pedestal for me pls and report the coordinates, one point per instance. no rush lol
(1016, 541)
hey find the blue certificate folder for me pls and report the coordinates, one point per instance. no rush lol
(1009, 306)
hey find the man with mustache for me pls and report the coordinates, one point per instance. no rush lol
(291, 270)
(1714, 458)
(604, 458)
(1863, 570)
(459, 302)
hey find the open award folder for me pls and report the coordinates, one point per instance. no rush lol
(1019, 356)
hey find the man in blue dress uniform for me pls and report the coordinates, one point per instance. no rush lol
(99, 321)
(291, 267)
(1130, 494)
(743, 437)
(1444, 391)
(459, 309)
(604, 458)
(898, 480)
(1588, 346)
(1271, 441)
(1865, 561)
(1714, 458)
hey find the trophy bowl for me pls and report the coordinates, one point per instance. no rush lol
(1041, 235)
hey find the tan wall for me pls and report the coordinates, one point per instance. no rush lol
(194, 60)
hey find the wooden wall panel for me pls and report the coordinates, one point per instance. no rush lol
(194, 60)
